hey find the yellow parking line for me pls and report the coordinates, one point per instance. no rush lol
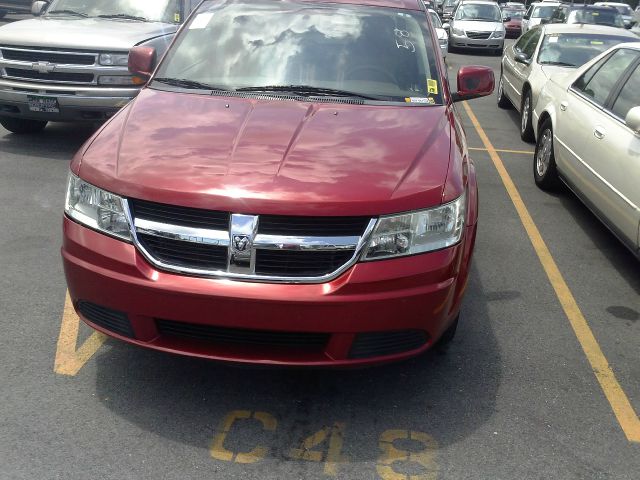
(68, 360)
(620, 404)
(502, 150)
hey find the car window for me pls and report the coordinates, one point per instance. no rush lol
(604, 16)
(629, 96)
(479, 12)
(525, 39)
(559, 15)
(385, 53)
(575, 49)
(529, 46)
(599, 84)
(435, 19)
(544, 11)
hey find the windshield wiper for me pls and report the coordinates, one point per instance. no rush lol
(68, 12)
(561, 64)
(186, 83)
(309, 91)
(125, 16)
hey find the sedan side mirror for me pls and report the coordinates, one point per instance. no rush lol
(446, 26)
(633, 120)
(525, 17)
(142, 61)
(474, 81)
(522, 58)
(38, 8)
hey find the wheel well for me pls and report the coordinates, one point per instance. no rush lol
(543, 118)
(526, 88)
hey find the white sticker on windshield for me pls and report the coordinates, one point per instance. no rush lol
(553, 39)
(201, 21)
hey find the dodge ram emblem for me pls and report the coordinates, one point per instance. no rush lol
(241, 242)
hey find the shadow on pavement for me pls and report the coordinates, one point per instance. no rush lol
(446, 394)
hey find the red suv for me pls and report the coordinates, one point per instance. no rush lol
(291, 187)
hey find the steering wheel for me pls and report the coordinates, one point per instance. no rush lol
(372, 68)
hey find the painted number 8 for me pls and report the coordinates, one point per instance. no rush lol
(392, 455)
(402, 40)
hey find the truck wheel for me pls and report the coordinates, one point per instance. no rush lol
(21, 126)
(448, 334)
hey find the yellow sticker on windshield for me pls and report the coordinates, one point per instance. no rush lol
(432, 86)
(596, 42)
(595, 14)
(176, 17)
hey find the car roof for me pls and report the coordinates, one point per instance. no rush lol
(403, 4)
(591, 7)
(482, 2)
(551, 28)
(612, 4)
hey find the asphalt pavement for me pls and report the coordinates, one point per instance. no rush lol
(515, 396)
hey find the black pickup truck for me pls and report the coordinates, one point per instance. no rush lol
(17, 6)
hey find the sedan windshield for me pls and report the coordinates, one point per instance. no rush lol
(513, 14)
(608, 16)
(167, 11)
(543, 12)
(574, 49)
(479, 12)
(297, 48)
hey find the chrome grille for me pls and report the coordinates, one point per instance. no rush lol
(24, 55)
(478, 35)
(252, 247)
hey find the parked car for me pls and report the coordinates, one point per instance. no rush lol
(448, 6)
(538, 13)
(512, 19)
(623, 9)
(304, 196)
(70, 63)
(543, 51)
(477, 24)
(443, 36)
(588, 137)
(14, 6)
(587, 14)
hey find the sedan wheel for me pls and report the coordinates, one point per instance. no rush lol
(545, 172)
(526, 129)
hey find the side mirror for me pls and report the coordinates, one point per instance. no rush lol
(38, 8)
(446, 26)
(633, 120)
(525, 17)
(142, 61)
(474, 81)
(521, 58)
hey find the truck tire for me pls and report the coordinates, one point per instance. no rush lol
(21, 126)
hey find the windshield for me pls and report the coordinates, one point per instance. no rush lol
(623, 9)
(435, 19)
(513, 14)
(479, 12)
(167, 11)
(574, 49)
(608, 16)
(543, 12)
(450, 3)
(293, 47)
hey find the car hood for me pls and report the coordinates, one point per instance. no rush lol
(86, 33)
(476, 26)
(253, 156)
(549, 70)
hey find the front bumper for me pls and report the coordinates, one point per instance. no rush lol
(77, 104)
(418, 295)
(465, 42)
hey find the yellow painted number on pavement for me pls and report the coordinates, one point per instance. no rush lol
(335, 435)
(218, 450)
(393, 455)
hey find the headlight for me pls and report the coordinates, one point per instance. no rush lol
(96, 209)
(116, 80)
(458, 31)
(418, 232)
(114, 59)
(497, 34)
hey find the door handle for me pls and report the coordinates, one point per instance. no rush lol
(599, 132)
(564, 105)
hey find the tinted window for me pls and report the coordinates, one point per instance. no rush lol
(599, 84)
(382, 52)
(629, 96)
(575, 49)
(521, 44)
(529, 47)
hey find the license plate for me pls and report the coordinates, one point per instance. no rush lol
(43, 104)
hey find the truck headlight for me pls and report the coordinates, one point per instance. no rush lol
(114, 59)
(418, 232)
(497, 34)
(95, 208)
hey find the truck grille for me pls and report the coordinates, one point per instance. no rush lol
(53, 76)
(268, 248)
(47, 56)
(478, 35)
